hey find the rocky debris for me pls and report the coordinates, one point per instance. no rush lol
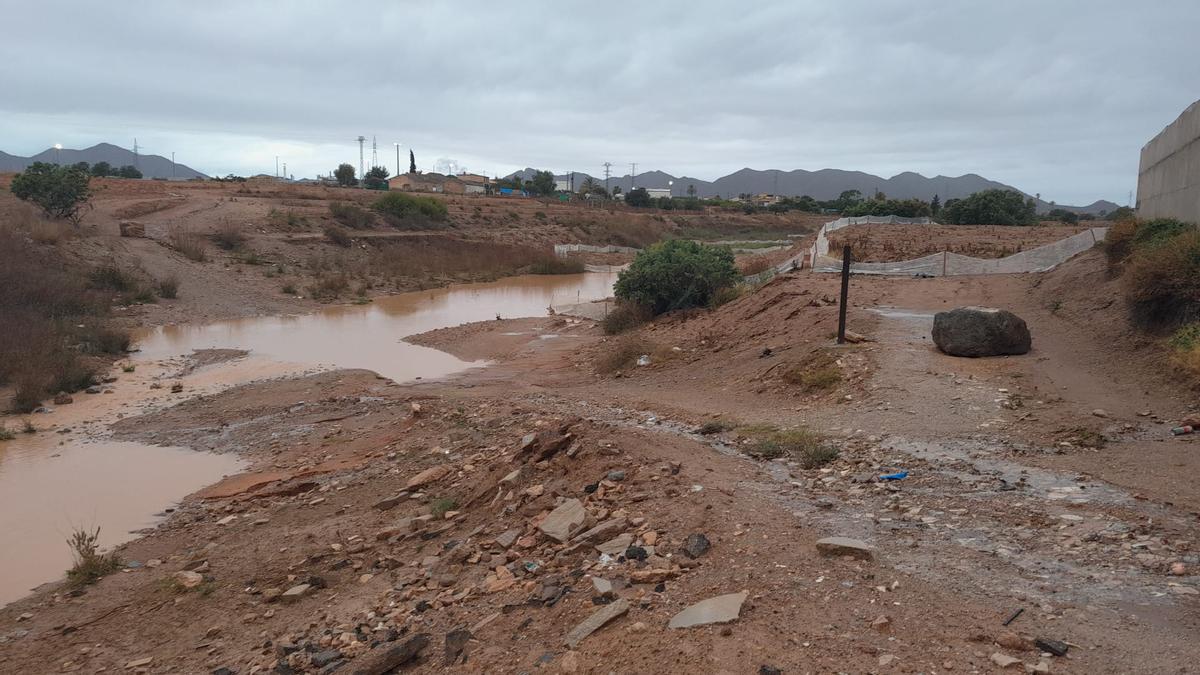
(326, 657)
(545, 444)
(129, 228)
(596, 621)
(721, 609)
(1055, 647)
(390, 502)
(845, 546)
(295, 592)
(886, 660)
(565, 521)
(617, 545)
(507, 538)
(1010, 640)
(140, 663)
(1005, 662)
(980, 331)
(63, 398)
(603, 587)
(616, 475)
(456, 645)
(882, 624)
(769, 670)
(501, 579)
(177, 388)
(186, 579)
(430, 475)
(696, 545)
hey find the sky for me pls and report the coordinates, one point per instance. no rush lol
(1055, 98)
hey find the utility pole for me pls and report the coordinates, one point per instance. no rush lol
(632, 175)
(361, 140)
(607, 173)
(397, 158)
(285, 170)
(374, 153)
(135, 153)
(277, 166)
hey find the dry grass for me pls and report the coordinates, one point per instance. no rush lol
(188, 243)
(754, 265)
(818, 373)
(805, 446)
(622, 353)
(625, 316)
(228, 236)
(1162, 282)
(352, 216)
(338, 236)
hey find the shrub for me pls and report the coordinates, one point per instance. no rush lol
(288, 289)
(6, 435)
(555, 265)
(818, 372)
(411, 211)
(802, 444)
(90, 565)
(625, 316)
(60, 191)
(189, 244)
(440, 506)
(338, 237)
(622, 353)
(351, 215)
(990, 207)
(228, 236)
(713, 427)
(676, 274)
(1162, 282)
(113, 278)
(329, 287)
(1118, 243)
(755, 265)
(168, 288)
(726, 295)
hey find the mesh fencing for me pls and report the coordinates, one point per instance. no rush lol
(1040, 259)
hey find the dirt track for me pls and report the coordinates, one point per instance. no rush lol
(1004, 507)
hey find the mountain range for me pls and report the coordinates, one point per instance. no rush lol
(822, 185)
(151, 166)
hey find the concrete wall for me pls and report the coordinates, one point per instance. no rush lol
(1169, 172)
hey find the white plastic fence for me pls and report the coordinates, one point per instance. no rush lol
(563, 249)
(1038, 259)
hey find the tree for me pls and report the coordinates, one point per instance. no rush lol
(345, 175)
(376, 178)
(101, 169)
(129, 171)
(676, 274)
(616, 190)
(60, 191)
(935, 205)
(1063, 216)
(543, 183)
(82, 166)
(691, 191)
(991, 207)
(847, 199)
(412, 162)
(591, 186)
(638, 197)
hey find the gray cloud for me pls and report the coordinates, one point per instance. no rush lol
(1055, 98)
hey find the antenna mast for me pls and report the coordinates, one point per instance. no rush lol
(361, 140)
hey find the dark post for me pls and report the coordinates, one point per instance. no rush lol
(845, 294)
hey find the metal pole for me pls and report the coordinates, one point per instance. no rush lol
(841, 336)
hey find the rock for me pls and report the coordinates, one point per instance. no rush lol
(63, 398)
(596, 621)
(1178, 569)
(603, 587)
(653, 576)
(605, 530)
(617, 545)
(1004, 661)
(566, 520)
(140, 663)
(980, 331)
(430, 475)
(721, 609)
(26, 616)
(696, 545)
(508, 538)
(845, 546)
(501, 579)
(882, 624)
(887, 660)
(570, 663)
(769, 670)
(456, 645)
(390, 502)
(322, 659)
(295, 593)
(1055, 647)
(177, 388)
(1100, 412)
(1010, 640)
(227, 520)
(638, 627)
(185, 579)
(650, 537)
(616, 475)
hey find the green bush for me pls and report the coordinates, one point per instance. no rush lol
(60, 191)
(990, 207)
(407, 211)
(676, 274)
(905, 208)
(351, 215)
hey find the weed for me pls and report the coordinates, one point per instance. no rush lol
(726, 294)
(411, 212)
(755, 265)
(228, 236)
(338, 236)
(1084, 437)
(128, 368)
(90, 565)
(714, 427)
(329, 287)
(806, 446)
(1163, 282)
(28, 427)
(168, 288)
(252, 258)
(440, 506)
(113, 278)
(288, 289)
(623, 353)
(817, 373)
(540, 215)
(6, 435)
(1055, 306)
(351, 215)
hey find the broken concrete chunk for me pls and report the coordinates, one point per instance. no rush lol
(721, 609)
(595, 622)
(845, 546)
(508, 538)
(564, 521)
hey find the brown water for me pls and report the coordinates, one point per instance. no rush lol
(52, 483)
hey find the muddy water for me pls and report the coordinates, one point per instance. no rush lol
(52, 483)
(371, 336)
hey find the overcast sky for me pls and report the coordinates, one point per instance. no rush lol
(1051, 97)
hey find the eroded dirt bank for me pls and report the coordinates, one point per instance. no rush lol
(374, 513)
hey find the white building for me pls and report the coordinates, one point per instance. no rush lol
(655, 193)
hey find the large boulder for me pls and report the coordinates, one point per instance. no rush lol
(980, 331)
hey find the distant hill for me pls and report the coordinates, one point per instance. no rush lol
(151, 166)
(823, 184)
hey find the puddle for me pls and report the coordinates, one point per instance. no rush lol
(116, 486)
(51, 483)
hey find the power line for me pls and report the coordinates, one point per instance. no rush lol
(361, 140)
